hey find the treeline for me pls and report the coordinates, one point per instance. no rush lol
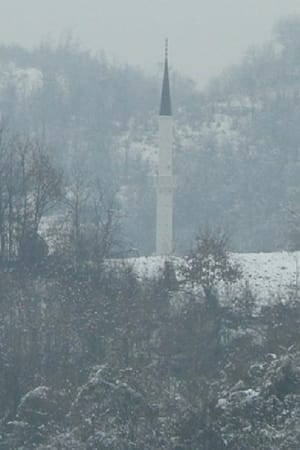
(90, 112)
(44, 210)
(29, 185)
(242, 169)
(93, 355)
(236, 144)
(96, 357)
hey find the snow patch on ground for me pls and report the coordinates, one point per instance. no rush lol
(151, 266)
(268, 275)
(25, 81)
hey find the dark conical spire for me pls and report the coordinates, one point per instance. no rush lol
(165, 103)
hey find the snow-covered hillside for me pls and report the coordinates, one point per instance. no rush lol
(267, 274)
(24, 81)
(270, 274)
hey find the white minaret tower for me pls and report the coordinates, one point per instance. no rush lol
(165, 181)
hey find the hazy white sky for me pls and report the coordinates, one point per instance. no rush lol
(205, 35)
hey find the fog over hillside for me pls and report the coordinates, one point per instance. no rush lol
(236, 144)
(115, 334)
(205, 37)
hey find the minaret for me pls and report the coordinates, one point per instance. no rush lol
(165, 181)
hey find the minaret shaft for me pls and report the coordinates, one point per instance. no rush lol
(165, 163)
(165, 187)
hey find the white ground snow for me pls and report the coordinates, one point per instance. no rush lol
(26, 81)
(267, 274)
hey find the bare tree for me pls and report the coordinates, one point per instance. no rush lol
(208, 262)
(93, 220)
(30, 185)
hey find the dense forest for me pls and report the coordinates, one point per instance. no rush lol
(94, 355)
(236, 143)
(97, 357)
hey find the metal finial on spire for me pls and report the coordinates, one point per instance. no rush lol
(166, 48)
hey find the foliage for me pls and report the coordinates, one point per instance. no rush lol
(94, 356)
(98, 358)
(30, 186)
(208, 262)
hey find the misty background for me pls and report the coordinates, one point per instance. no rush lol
(205, 36)
(86, 81)
(103, 345)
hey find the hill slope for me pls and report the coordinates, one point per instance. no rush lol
(236, 145)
